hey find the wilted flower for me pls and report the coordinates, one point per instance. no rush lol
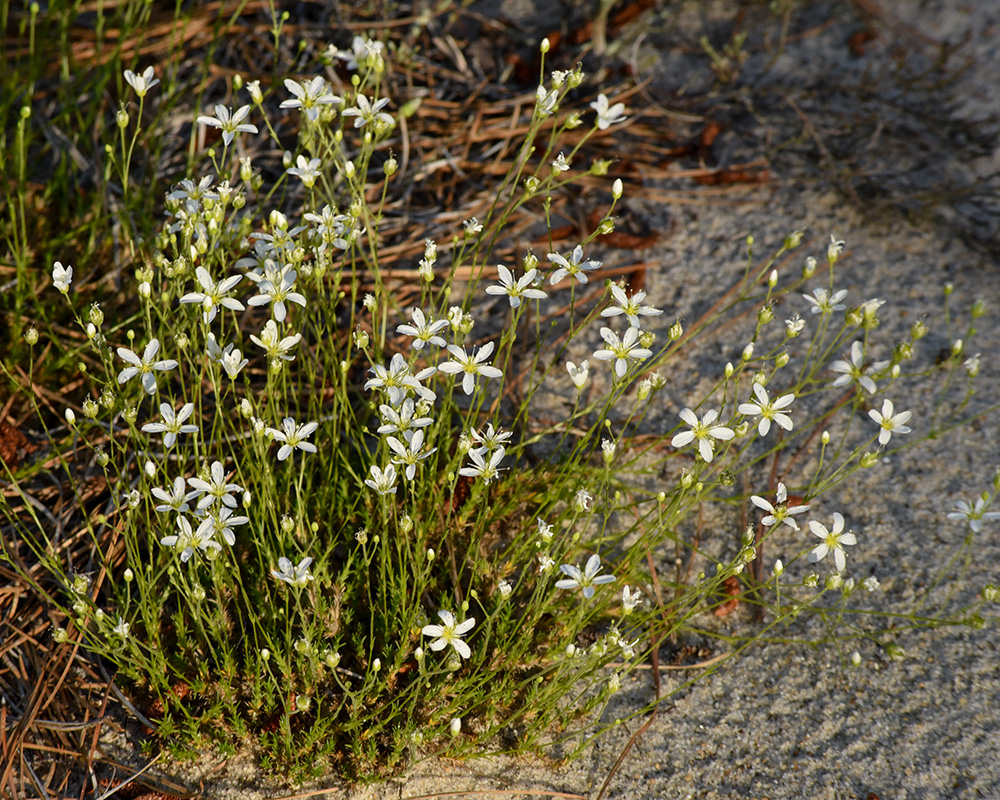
(62, 277)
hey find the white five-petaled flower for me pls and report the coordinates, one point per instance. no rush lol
(173, 423)
(306, 170)
(630, 599)
(187, 541)
(395, 380)
(275, 346)
(853, 369)
(310, 96)
(221, 520)
(296, 575)
(780, 511)
(450, 633)
(383, 482)
(574, 265)
(470, 365)
(214, 294)
(545, 101)
(578, 374)
(515, 290)
(491, 438)
(833, 540)
(824, 303)
(560, 164)
(144, 366)
(703, 431)
(585, 579)
(607, 115)
(631, 307)
(175, 500)
(232, 361)
(277, 291)
(411, 453)
(422, 331)
(621, 350)
(231, 122)
(889, 422)
(403, 420)
(366, 112)
(973, 514)
(62, 276)
(293, 436)
(216, 489)
(141, 83)
(481, 468)
(767, 410)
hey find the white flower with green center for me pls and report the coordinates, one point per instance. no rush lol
(489, 470)
(974, 514)
(62, 276)
(834, 540)
(515, 290)
(277, 291)
(293, 437)
(232, 361)
(450, 633)
(585, 579)
(631, 307)
(780, 512)
(824, 303)
(296, 575)
(187, 541)
(578, 374)
(276, 346)
(176, 499)
(423, 331)
(366, 112)
(403, 420)
(767, 410)
(230, 122)
(853, 369)
(607, 114)
(703, 431)
(214, 294)
(491, 438)
(310, 96)
(141, 83)
(410, 454)
(121, 629)
(222, 521)
(173, 423)
(306, 170)
(574, 266)
(144, 366)
(889, 423)
(215, 489)
(621, 350)
(397, 379)
(470, 365)
(383, 482)
(546, 101)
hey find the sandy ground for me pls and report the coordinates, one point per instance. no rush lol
(791, 721)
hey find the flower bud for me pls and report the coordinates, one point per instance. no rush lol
(833, 581)
(150, 469)
(455, 726)
(544, 47)
(265, 654)
(868, 460)
(70, 416)
(781, 360)
(793, 240)
(809, 267)
(956, 347)
(121, 118)
(102, 458)
(779, 567)
(31, 336)
(747, 352)
(617, 189)
(855, 659)
(825, 437)
(390, 166)
(128, 575)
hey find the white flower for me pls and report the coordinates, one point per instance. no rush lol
(545, 101)
(395, 380)
(403, 420)
(582, 501)
(973, 514)
(794, 326)
(175, 500)
(889, 422)
(853, 369)
(545, 530)
(411, 453)
(62, 276)
(293, 436)
(621, 350)
(574, 265)
(214, 294)
(607, 115)
(230, 122)
(703, 431)
(275, 346)
(310, 96)
(631, 307)
(144, 366)
(545, 564)
(216, 489)
(141, 83)
(366, 112)
(767, 410)
(833, 540)
(296, 575)
(586, 579)
(780, 512)
(187, 541)
(492, 438)
(515, 290)
(221, 521)
(578, 374)
(971, 365)
(450, 633)
(481, 468)
(173, 423)
(422, 331)
(121, 629)
(560, 164)
(471, 366)
(823, 303)
(630, 599)
(232, 361)
(306, 170)
(382, 482)
(834, 249)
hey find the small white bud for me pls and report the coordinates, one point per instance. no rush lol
(455, 726)
(617, 189)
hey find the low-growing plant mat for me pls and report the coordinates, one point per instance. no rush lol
(781, 721)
